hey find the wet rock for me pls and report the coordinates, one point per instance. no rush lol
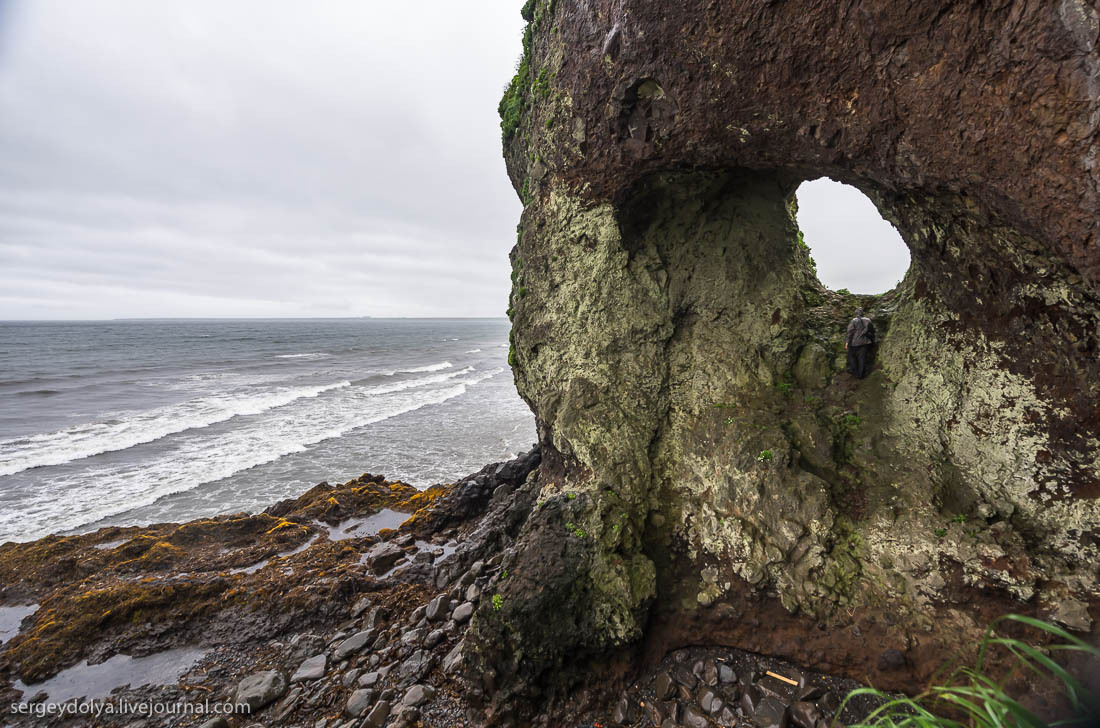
(434, 638)
(453, 661)
(707, 696)
(303, 646)
(726, 675)
(354, 644)
(750, 700)
(312, 669)
(360, 606)
(376, 718)
(811, 693)
(710, 673)
(684, 677)
(416, 666)
(654, 711)
(665, 687)
(383, 556)
(413, 637)
(376, 617)
(417, 695)
(805, 715)
(358, 702)
(781, 690)
(437, 608)
(463, 612)
(626, 711)
(261, 689)
(770, 713)
(694, 718)
(288, 704)
(891, 659)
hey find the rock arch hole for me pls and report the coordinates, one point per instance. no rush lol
(853, 247)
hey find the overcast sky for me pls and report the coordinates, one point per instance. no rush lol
(264, 158)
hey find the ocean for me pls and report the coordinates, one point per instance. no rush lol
(137, 422)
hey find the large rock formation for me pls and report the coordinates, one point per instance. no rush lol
(709, 471)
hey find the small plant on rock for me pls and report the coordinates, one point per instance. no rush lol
(765, 456)
(498, 602)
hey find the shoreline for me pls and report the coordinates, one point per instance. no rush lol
(349, 605)
(196, 595)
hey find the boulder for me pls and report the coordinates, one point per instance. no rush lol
(312, 669)
(261, 689)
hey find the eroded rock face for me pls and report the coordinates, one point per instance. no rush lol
(708, 468)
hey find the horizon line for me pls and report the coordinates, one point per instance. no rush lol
(252, 318)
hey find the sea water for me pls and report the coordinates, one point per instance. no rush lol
(136, 422)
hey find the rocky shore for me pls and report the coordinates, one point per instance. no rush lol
(311, 615)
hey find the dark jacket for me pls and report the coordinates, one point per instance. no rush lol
(860, 332)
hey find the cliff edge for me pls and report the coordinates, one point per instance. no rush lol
(710, 473)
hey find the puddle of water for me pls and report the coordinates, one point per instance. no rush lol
(97, 681)
(283, 554)
(110, 544)
(11, 617)
(371, 525)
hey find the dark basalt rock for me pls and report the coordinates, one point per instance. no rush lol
(708, 471)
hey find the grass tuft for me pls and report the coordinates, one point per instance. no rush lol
(978, 700)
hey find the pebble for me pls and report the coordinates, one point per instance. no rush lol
(437, 608)
(353, 644)
(434, 638)
(360, 606)
(694, 718)
(453, 661)
(771, 713)
(376, 718)
(261, 689)
(805, 715)
(665, 687)
(463, 612)
(417, 695)
(359, 701)
(311, 669)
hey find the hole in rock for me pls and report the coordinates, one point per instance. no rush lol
(853, 246)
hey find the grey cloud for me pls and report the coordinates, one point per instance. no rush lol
(262, 157)
(272, 158)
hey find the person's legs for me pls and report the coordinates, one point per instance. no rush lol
(861, 361)
(851, 351)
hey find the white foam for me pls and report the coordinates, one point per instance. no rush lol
(474, 351)
(413, 383)
(418, 370)
(130, 429)
(312, 355)
(196, 457)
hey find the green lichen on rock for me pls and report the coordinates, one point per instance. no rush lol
(665, 275)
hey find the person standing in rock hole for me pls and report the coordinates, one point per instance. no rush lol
(858, 342)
